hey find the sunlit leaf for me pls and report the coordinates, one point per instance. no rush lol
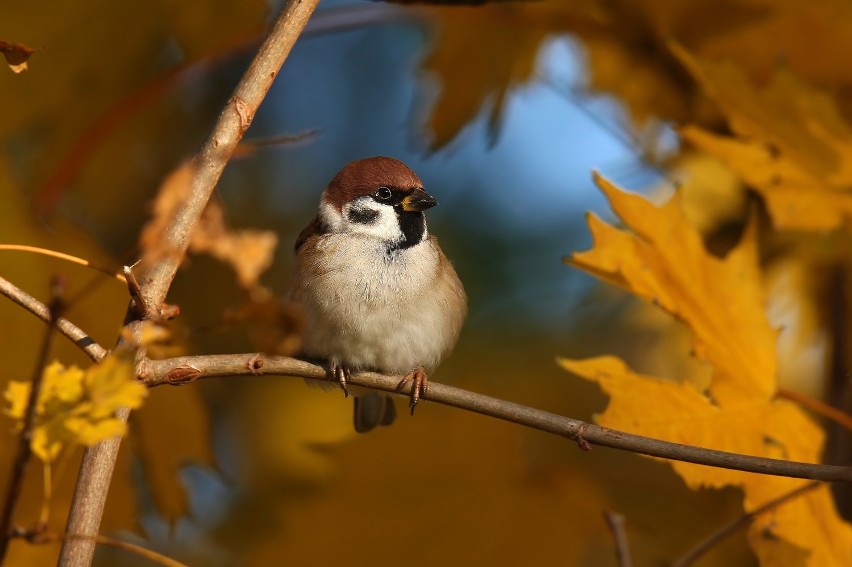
(77, 407)
(796, 198)
(660, 257)
(111, 385)
(666, 263)
(480, 54)
(792, 143)
(801, 122)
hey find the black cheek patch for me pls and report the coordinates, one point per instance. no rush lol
(362, 216)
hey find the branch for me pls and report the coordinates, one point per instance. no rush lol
(64, 326)
(233, 122)
(716, 537)
(182, 370)
(99, 460)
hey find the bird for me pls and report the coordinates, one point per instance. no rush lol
(376, 290)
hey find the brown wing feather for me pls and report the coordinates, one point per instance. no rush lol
(315, 227)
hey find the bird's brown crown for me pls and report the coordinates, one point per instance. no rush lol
(364, 176)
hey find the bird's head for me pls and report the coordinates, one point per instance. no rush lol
(377, 197)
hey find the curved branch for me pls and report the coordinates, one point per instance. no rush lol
(233, 122)
(182, 370)
(155, 280)
(64, 326)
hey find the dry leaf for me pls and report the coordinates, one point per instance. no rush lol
(722, 302)
(274, 326)
(480, 54)
(248, 252)
(153, 239)
(16, 55)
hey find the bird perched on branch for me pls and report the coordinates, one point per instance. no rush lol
(377, 291)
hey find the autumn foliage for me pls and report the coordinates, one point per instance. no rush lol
(730, 272)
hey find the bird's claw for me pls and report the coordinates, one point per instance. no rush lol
(343, 375)
(419, 386)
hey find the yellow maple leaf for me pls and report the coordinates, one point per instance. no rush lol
(792, 143)
(500, 42)
(665, 262)
(796, 198)
(800, 121)
(721, 301)
(59, 385)
(111, 385)
(77, 406)
(17, 394)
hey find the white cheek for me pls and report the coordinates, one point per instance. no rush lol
(384, 227)
(330, 217)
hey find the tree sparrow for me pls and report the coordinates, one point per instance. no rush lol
(377, 291)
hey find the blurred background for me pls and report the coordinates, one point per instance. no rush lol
(503, 110)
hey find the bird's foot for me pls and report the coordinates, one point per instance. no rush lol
(343, 375)
(419, 386)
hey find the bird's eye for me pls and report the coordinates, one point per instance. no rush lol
(383, 193)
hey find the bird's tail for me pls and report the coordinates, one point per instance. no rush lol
(373, 410)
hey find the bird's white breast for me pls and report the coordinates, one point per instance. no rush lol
(369, 309)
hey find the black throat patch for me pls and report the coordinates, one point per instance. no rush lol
(412, 224)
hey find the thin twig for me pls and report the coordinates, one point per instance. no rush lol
(250, 147)
(80, 338)
(16, 482)
(716, 537)
(615, 522)
(155, 280)
(819, 407)
(62, 256)
(39, 537)
(182, 370)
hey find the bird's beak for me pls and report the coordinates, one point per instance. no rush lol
(419, 201)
